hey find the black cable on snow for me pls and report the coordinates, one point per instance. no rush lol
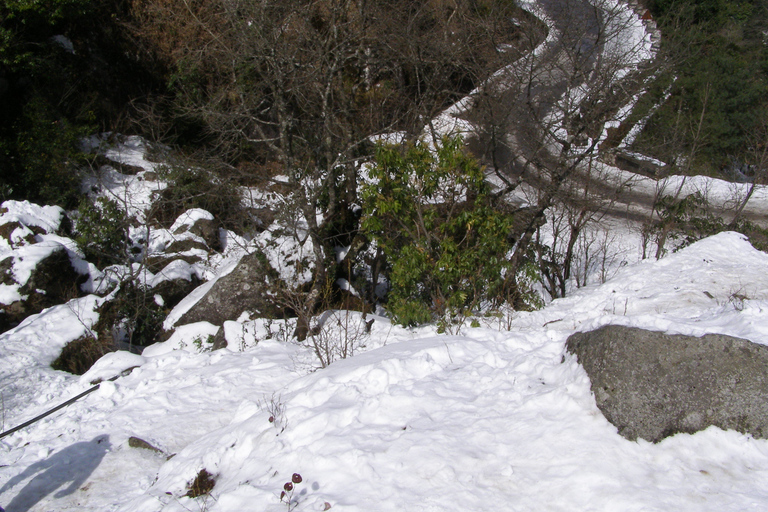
(51, 411)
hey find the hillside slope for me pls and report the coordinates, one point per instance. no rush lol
(496, 417)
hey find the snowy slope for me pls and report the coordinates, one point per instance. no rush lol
(496, 418)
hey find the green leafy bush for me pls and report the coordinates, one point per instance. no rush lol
(431, 214)
(102, 232)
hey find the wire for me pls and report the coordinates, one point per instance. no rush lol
(51, 411)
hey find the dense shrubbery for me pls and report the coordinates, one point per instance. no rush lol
(42, 157)
(39, 144)
(102, 232)
(64, 73)
(446, 245)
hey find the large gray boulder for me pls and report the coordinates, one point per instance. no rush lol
(243, 289)
(653, 385)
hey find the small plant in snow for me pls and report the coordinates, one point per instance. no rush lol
(276, 409)
(202, 484)
(289, 488)
(203, 344)
(337, 335)
(738, 298)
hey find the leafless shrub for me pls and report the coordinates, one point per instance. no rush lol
(275, 407)
(338, 334)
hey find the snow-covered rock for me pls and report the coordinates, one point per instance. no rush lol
(38, 267)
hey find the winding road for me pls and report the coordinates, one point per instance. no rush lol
(552, 106)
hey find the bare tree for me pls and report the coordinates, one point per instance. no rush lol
(543, 119)
(756, 161)
(301, 86)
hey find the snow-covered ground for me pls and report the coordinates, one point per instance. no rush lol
(495, 418)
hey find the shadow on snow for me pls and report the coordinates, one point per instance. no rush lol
(72, 465)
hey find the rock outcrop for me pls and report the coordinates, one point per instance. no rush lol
(37, 269)
(244, 289)
(652, 385)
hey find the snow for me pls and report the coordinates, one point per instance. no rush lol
(27, 257)
(132, 193)
(27, 250)
(497, 416)
(187, 219)
(64, 42)
(111, 365)
(190, 337)
(28, 214)
(27, 382)
(177, 269)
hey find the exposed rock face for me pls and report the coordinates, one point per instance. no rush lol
(244, 289)
(653, 385)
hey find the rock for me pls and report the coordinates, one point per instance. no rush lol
(208, 230)
(186, 245)
(55, 276)
(33, 220)
(173, 290)
(6, 275)
(262, 217)
(244, 289)
(25, 235)
(653, 385)
(8, 228)
(100, 160)
(137, 442)
(158, 262)
(54, 280)
(219, 340)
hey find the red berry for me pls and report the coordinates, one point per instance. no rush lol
(282, 495)
(288, 486)
(296, 478)
(271, 419)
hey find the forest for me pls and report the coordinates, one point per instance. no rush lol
(296, 94)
